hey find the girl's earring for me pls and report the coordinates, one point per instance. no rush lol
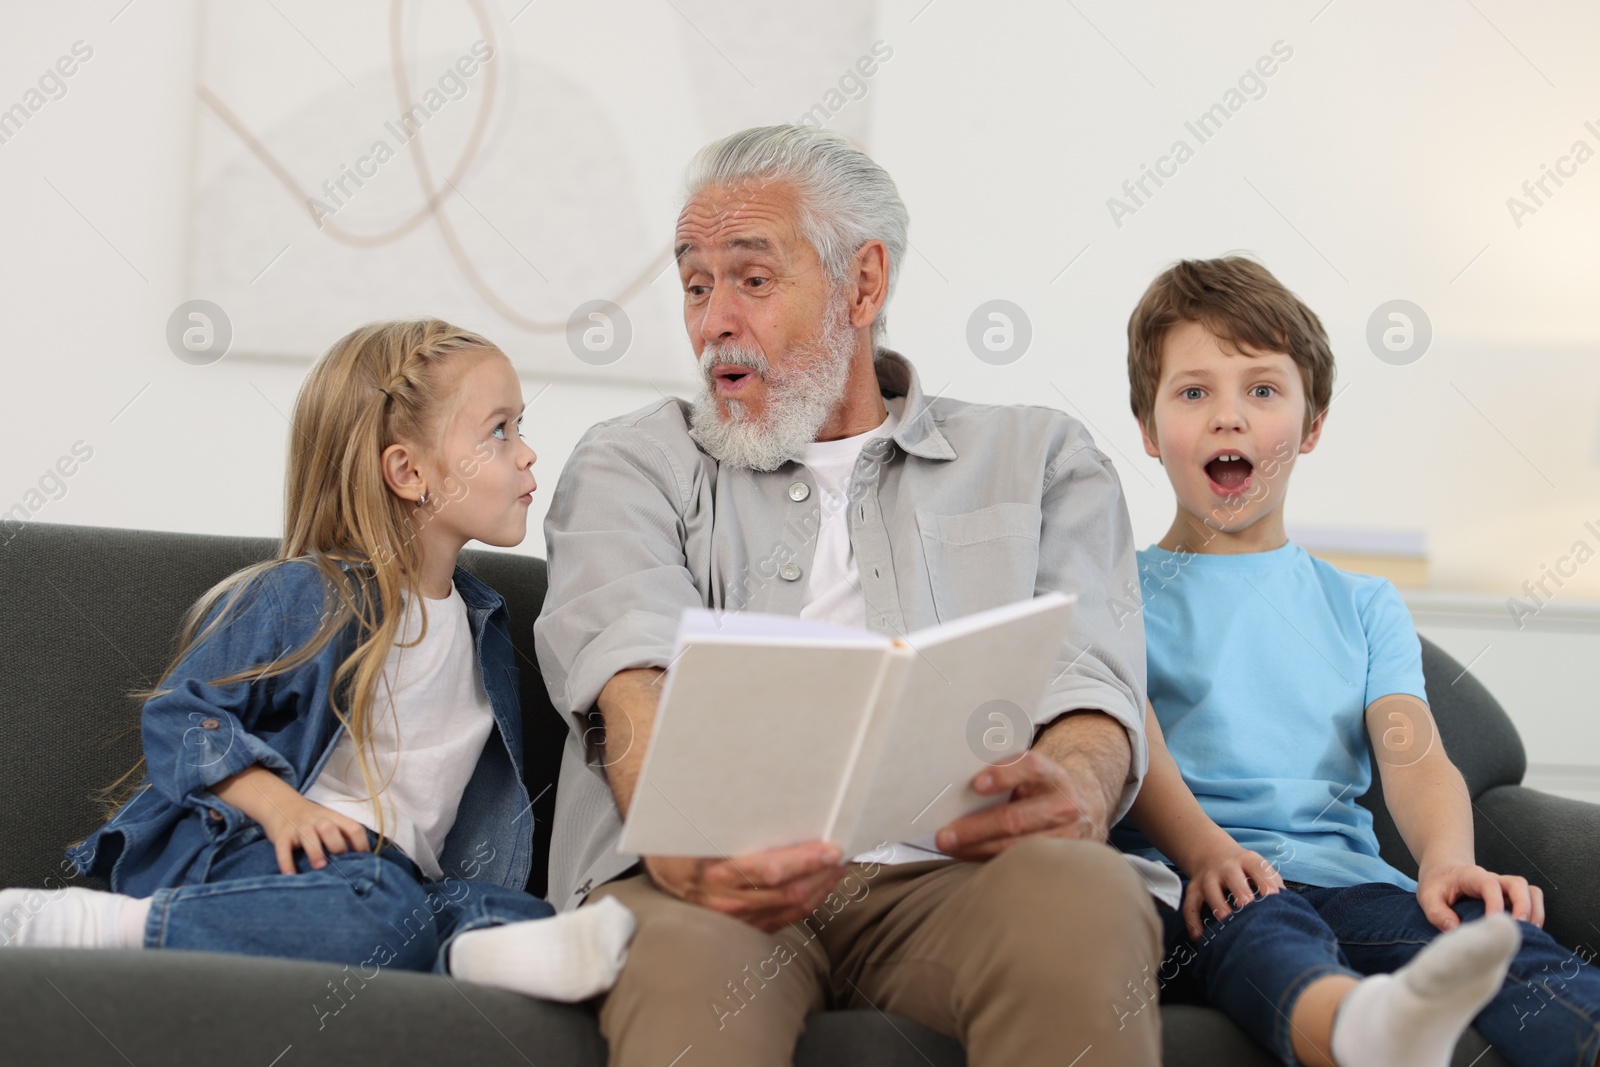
(424, 498)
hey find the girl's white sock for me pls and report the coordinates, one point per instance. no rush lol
(1413, 1017)
(567, 957)
(72, 917)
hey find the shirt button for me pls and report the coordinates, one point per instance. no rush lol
(209, 724)
(216, 816)
(789, 572)
(799, 491)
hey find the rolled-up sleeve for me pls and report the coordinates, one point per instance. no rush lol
(618, 579)
(1086, 547)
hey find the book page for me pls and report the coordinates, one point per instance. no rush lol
(974, 686)
(740, 625)
(752, 744)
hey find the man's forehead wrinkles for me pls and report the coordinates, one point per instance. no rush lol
(750, 234)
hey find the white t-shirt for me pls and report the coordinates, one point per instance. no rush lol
(431, 718)
(833, 588)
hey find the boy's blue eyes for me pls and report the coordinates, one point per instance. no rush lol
(1193, 392)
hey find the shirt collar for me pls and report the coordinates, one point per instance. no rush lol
(919, 432)
(478, 596)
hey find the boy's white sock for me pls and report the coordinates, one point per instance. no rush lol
(567, 957)
(71, 917)
(1413, 1017)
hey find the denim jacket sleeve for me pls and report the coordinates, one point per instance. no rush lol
(199, 732)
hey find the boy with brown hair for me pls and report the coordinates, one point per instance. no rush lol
(1274, 678)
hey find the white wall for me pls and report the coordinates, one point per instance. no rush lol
(1377, 165)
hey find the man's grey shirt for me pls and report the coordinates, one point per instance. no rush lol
(967, 507)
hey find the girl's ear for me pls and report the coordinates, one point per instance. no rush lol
(400, 473)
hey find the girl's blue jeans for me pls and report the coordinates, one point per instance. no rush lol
(1255, 964)
(364, 909)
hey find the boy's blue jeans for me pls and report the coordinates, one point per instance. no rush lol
(1254, 965)
(363, 909)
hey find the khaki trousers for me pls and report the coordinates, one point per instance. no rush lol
(1031, 958)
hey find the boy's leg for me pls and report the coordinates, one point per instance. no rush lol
(1273, 967)
(1042, 954)
(695, 978)
(1546, 1012)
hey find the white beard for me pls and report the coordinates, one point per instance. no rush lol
(800, 399)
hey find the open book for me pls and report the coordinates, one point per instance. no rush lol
(773, 730)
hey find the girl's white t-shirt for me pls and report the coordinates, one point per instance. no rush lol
(431, 718)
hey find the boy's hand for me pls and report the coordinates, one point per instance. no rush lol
(1226, 869)
(1439, 888)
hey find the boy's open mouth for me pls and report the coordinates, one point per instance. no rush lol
(1229, 473)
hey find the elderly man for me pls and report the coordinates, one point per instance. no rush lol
(814, 477)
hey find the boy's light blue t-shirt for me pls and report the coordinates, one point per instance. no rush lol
(1261, 667)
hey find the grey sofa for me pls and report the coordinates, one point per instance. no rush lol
(89, 614)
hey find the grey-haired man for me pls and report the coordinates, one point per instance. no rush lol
(813, 477)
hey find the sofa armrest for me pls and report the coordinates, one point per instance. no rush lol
(1553, 842)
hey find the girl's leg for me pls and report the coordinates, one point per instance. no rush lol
(513, 940)
(71, 917)
(1547, 1011)
(361, 909)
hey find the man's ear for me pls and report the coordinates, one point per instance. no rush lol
(400, 472)
(870, 273)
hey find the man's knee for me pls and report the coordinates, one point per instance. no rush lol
(1071, 886)
(691, 963)
(686, 949)
(1045, 866)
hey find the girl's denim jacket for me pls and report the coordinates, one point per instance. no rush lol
(197, 733)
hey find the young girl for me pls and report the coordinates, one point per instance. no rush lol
(334, 761)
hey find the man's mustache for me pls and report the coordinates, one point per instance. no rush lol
(733, 356)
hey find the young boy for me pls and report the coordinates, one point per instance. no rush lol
(1274, 679)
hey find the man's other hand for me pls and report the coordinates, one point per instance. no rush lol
(767, 889)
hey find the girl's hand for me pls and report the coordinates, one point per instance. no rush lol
(1226, 869)
(313, 829)
(1439, 888)
(289, 820)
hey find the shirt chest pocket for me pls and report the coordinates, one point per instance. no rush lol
(981, 559)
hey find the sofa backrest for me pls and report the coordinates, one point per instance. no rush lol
(1477, 734)
(89, 614)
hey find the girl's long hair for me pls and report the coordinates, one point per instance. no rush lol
(379, 384)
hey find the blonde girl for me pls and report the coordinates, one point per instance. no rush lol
(333, 764)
